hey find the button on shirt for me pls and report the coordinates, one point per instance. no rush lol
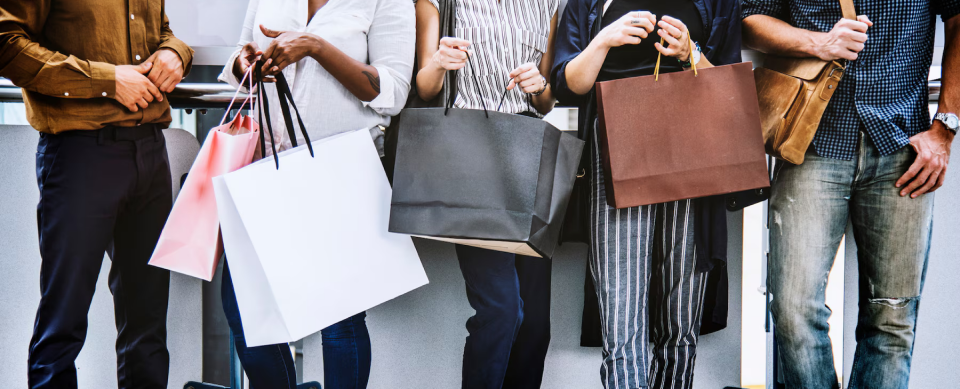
(885, 89)
(63, 54)
(381, 33)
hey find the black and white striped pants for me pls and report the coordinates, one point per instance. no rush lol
(650, 294)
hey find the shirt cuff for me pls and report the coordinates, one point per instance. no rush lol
(228, 77)
(183, 50)
(386, 99)
(103, 79)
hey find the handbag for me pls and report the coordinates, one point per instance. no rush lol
(306, 236)
(715, 147)
(793, 94)
(190, 242)
(482, 178)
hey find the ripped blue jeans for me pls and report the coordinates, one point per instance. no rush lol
(809, 208)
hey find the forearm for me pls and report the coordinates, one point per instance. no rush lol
(545, 102)
(774, 36)
(362, 80)
(950, 83)
(582, 71)
(430, 80)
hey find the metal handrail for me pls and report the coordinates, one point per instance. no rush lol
(186, 95)
(218, 95)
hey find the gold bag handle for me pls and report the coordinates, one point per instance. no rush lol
(656, 71)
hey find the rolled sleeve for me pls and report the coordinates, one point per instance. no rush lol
(773, 8)
(37, 69)
(391, 43)
(567, 47)
(169, 41)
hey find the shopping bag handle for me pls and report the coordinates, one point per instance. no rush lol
(476, 83)
(656, 71)
(247, 77)
(284, 94)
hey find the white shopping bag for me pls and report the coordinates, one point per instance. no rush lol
(307, 242)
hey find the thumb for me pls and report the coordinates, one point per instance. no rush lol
(268, 32)
(864, 19)
(144, 67)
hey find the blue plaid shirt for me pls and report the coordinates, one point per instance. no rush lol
(886, 87)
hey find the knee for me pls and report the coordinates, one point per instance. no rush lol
(798, 318)
(505, 316)
(895, 317)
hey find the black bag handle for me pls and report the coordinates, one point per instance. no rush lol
(283, 92)
(476, 83)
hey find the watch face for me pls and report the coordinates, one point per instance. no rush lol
(952, 121)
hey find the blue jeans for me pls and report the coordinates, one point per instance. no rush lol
(809, 208)
(346, 351)
(510, 333)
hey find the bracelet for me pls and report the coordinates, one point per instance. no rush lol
(544, 89)
(694, 57)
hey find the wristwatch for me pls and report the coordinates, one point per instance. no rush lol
(949, 120)
(694, 57)
(543, 89)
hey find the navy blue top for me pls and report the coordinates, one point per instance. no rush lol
(885, 89)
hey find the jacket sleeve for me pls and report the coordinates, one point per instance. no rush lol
(724, 45)
(568, 45)
(391, 43)
(169, 41)
(37, 69)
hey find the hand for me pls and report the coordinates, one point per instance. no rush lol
(628, 30)
(844, 41)
(249, 55)
(930, 168)
(529, 79)
(675, 33)
(452, 54)
(134, 89)
(167, 70)
(288, 47)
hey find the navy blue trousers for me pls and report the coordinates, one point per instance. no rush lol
(101, 190)
(346, 351)
(510, 333)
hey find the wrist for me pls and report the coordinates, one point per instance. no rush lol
(816, 44)
(318, 47)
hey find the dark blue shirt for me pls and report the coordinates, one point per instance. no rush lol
(885, 89)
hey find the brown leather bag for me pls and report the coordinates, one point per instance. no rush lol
(793, 93)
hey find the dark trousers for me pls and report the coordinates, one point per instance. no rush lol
(346, 351)
(100, 190)
(510, 333)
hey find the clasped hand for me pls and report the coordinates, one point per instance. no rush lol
(139, 85)
(634, 27)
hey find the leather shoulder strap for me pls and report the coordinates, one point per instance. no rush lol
(849, 12)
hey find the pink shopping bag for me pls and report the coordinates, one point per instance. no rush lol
(190, 242)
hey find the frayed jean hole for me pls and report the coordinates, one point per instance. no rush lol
(895, 303)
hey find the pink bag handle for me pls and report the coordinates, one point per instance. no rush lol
(246, 76)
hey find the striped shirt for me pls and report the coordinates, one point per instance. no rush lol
(504, 34)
